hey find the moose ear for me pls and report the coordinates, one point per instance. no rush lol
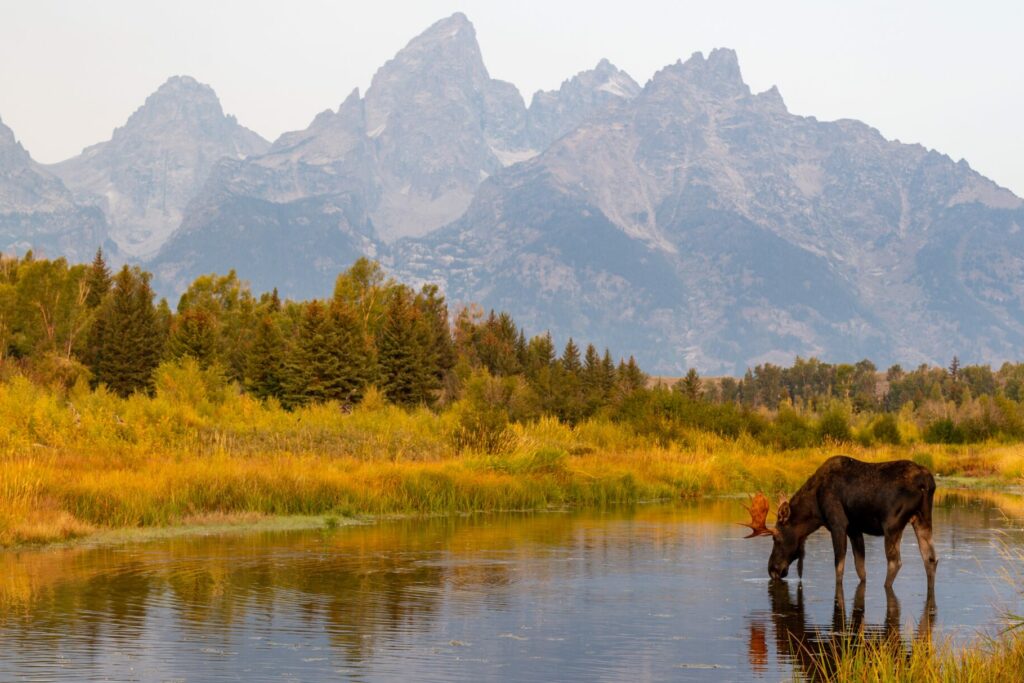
(783, 514)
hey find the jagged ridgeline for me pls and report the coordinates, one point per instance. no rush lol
(689, 220)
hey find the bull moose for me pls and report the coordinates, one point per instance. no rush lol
(851, 498)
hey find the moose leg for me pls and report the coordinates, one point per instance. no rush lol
(924, 544)
(857, 544)
(839, 546)
(800, 562)
(892, 554)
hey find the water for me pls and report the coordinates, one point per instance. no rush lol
(652, 593)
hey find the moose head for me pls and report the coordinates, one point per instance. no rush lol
(788, 545)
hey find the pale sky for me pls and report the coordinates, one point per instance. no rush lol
(949, 75)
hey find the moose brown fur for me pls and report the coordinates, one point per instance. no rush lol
(851, 498)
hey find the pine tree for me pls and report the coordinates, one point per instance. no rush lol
(404, 379)
(125, 337)
(265, 363)
(571, 358)
(98, 280)
(592, 380)
(608, 374)
(569, 399)
(631, 377)
(311, 367)
(439, 347)
(351, 356)
(690, 385)
(193, 335)
(541, 354)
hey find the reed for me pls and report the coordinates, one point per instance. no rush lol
(75, 462)
(992, 660)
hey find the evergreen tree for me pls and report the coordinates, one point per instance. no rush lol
(571, 358)
(406, 374)
(690, 385)
(351, 356)
(592, 381)
(540, 353)
(98, 280)
(439, 348)
(311, 368)
(265, 363)
(193, 335)
(125, 337)
(631, 378)
(608, 373)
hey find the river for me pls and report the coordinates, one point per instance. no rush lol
(653, 592)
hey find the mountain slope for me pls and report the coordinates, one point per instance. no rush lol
(404, 160)
(703, 225)
(38, 212)
(145, 175)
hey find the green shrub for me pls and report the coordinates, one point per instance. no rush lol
(943, 430)
(834, 425)
(885, 429)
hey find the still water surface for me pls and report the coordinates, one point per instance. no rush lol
(651, 593)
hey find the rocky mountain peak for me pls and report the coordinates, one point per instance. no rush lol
(439, 125)
(456, 29)
(152, 166)
(37, 211)
(11, 150)
(587, 95)
(447, 49)
(716, 77)
(181, 103)
(6, 134)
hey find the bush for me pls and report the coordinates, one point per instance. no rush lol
(943, 430)
(482, 416)
(834, 425)
(790, 430)
(885, 429)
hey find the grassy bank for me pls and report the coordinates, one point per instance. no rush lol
(989, 661)
(77, 463)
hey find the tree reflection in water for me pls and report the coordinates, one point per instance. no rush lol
(814, 648)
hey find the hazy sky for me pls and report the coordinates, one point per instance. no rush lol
(949, 75)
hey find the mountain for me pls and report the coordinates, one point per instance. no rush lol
(38, 212)
(145, 175)
(404, 160)
(587, 95)
(705, 226)
(691, 221)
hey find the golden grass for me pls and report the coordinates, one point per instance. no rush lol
(86, 461)
(994, 660)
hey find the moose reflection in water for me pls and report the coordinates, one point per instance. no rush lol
(814, 648)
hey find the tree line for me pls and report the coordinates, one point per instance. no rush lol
(66, 323)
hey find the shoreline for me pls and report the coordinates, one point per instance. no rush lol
(253, 523)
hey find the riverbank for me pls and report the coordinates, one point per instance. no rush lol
(87, 462)
(61, 496)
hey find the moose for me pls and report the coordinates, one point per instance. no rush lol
(851, 498)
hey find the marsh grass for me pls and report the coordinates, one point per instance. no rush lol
(990, 660)
(76, 462)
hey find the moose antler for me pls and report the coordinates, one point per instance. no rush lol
(758, 510)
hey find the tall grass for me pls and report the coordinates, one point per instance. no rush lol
(74, 462)
(994, 660)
